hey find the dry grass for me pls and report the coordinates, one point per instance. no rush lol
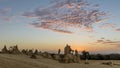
(23, 61)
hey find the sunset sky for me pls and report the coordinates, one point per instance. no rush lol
(92, 25)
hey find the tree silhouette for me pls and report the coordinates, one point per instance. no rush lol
(85, 54)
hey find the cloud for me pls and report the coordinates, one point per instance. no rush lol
(5, 10)
(108, 25)
(100, 41)
(29, 14)
(6, 18)
(62, 31)
(5, 14)
(46, 26)
(64, 14)
(118, 29)
(108, 42)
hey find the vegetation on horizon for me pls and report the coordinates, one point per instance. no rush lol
(83, 56)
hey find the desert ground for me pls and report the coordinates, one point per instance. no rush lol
(23, 61)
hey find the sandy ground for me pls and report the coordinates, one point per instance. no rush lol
(23, 61)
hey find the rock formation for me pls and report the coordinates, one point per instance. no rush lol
(69, 57)
(47, 55)
(4, 50)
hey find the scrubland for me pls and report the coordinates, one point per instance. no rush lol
(24, 61)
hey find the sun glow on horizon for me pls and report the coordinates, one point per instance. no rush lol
(49, 26)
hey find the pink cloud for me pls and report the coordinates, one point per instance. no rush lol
(47, 26)
(56, 16)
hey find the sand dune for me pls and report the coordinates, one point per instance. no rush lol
(23, 61)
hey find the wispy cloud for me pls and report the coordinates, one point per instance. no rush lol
(5, 14)
(62, 31)
(5, 10)
(118, 29)
(29, 14)
(62, 14)
(108, 42)
(108, 25)
(6, 18)
(112, 26)
(47, 26)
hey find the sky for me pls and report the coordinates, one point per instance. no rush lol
(48, 25)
